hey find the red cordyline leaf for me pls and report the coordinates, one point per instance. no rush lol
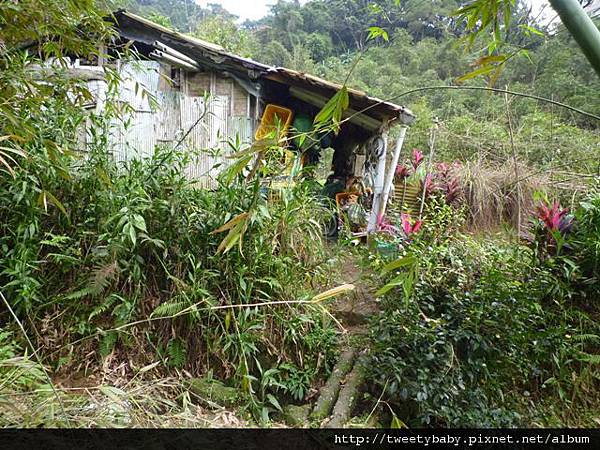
(443, 169)
(402, 171)
(417, 158)
(417, 226)
(385, 226)
(407, 227)
(552, 217)
(452, 191)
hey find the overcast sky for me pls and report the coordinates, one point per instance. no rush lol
(255, 9)
(245, 9)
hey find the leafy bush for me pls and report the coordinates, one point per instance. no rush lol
(471, 332)
(131, 260)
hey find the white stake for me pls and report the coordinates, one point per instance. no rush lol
(391, 172)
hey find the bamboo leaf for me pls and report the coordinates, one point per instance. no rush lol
(481, 71)
(398, 281)
(56, 202)
(233, 222)
(334, 292)
(8, 167)
(375, 32)
(402, 262)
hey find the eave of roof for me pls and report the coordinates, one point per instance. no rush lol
(371, 106)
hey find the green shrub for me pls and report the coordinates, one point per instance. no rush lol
(482, 330)
(133, 262)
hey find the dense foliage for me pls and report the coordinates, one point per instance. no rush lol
(481, 333)
(127, 268)
(104, 262)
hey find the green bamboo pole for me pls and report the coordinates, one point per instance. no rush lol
(581, 27)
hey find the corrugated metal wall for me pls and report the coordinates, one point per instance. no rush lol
(164, 117)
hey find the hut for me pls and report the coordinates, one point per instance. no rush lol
(201, 96)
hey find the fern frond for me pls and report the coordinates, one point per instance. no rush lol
(177, 353)
(103, 306)
(169, 309)
(97, 282)
(590, 358)
(102, 276)
(587, 337)
(108, 343)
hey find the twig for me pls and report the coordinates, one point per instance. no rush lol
(432, 137)
(475, 88)
(209, 308)
(516, 165)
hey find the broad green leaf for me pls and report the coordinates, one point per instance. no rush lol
(139, 222)
(402, 262)
(274, 402)
(375, 32)
(398, 281)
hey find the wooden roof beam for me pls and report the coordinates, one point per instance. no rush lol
(319, 101)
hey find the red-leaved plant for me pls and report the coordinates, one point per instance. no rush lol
(554, 217)
(407, 226)
(447, 182)
(551, 228)
(417, 158)
(386, 226)
(402, 172)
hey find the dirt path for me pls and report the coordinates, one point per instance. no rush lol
(355, 309)
(339, 396)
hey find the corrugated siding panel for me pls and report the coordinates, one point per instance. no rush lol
(168, 118)
(205, 138)
(167, 123)
(139, 80)
(242, 128)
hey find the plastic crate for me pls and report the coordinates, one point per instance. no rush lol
(274, 117)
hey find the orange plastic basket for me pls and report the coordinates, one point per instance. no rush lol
(275, 117)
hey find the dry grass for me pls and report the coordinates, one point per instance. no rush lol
(493, 196)
(155, 403)
(109, 398)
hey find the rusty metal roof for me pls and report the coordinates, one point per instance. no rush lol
(134, 27)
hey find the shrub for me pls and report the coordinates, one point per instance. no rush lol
(131, 261)
(472, 331)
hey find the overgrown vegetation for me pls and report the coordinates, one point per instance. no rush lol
(486, 332)
(115, 277)
(124, 264)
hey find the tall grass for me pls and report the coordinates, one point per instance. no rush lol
(493, 195)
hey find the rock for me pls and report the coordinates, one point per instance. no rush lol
(296, 416)
(213, 392)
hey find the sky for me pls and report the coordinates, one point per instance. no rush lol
(255, 9)
(245, 9)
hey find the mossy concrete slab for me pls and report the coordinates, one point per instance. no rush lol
(213, 392)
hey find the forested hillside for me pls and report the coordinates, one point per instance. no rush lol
(426, 47)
